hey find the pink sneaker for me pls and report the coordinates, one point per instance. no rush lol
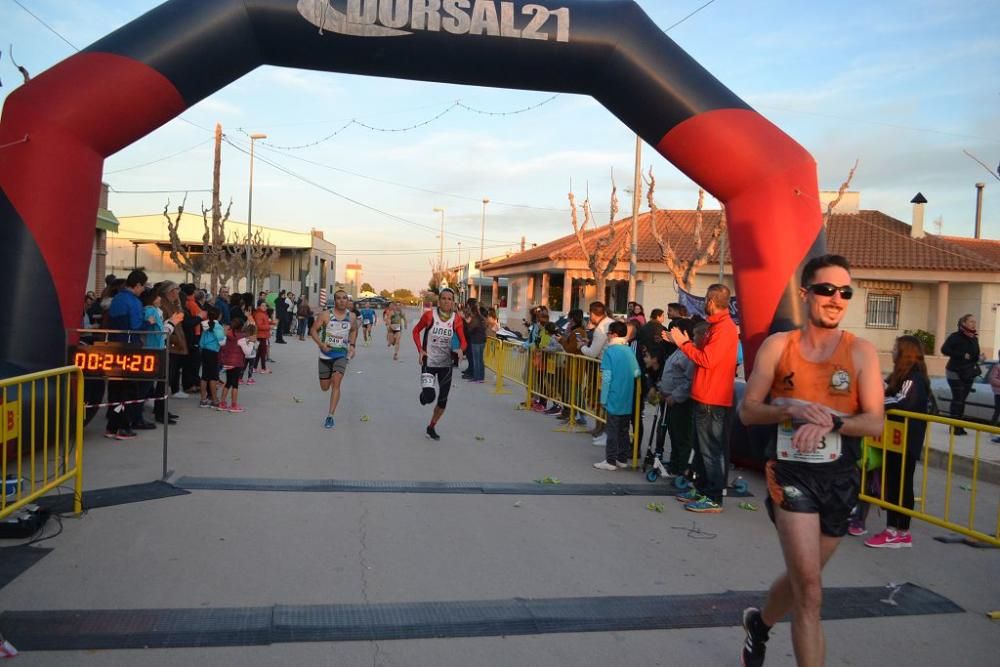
(222, 407)
(890, 539)
(857, 529)
(251, 381)
(236, 408)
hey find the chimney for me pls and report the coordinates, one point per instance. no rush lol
(979, 209)
(522, 243)
(917, 226)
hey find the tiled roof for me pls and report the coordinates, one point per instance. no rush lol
(869, 239)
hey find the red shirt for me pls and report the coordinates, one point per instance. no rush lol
(715, 362)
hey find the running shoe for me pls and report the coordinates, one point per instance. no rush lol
(857, 528)
(251, 381)
(222, 406)
(180, 394)
(432, 434)
(126, 434)
(328, 422)
(604, 465)
(204, 403)
(236, 408)
(621, 464)
(704, 506)
(755, 646)
(996, 439)
(600, 440)
(111, 435)
(890, 539)
(554, 410)
(689, 496)
(538, 407)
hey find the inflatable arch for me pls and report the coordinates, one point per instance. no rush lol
(57, 129)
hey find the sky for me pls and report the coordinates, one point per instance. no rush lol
(901, 86)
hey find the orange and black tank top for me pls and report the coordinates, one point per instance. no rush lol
(832, 382)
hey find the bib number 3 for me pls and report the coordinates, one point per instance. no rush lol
(828, 450)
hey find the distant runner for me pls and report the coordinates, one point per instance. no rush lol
(367, 323)
(335, 332)
(432, 336)
(396, 323)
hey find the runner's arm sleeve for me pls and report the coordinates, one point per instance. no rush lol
(424, 322)
(460, 331)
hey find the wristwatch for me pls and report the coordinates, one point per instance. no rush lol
(838, 423)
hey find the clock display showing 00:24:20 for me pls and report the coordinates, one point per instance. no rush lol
(117, 364)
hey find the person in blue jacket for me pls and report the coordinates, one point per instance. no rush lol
(619, 370)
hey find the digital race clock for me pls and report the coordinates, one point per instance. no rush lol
(118, 360)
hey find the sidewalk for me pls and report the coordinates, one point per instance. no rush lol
(249, 549)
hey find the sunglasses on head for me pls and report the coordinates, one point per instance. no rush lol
(829, 289)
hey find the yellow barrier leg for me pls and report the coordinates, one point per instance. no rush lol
(78, 482)
(501, 362)
(531, 379)
(635, 425)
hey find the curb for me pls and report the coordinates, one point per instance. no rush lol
(989, 471)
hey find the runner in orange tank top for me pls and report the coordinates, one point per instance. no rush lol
(825, 394)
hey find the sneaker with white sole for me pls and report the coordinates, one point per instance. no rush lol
(621, 464)
(600, 440)
(890, 539)
(180, 394)
(604, 465)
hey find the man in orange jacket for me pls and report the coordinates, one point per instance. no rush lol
(712, 393)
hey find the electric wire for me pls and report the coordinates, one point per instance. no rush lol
(161, 159)
(50, 28)
(689, 16)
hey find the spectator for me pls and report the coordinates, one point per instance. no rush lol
(153, 320)
(651, 336)
(492, 322)
(908, 388)
(262, 320)
(212, 338)
(962, 350)
(635, 312)
(170, 304)
(125, 314)
(193, 316)
(232, 357)
(712, 392)
(302, 313)
(475, 334)
(572, 339)
(224, 304)
(675, 388)
(280, 316)
(995, 385)
(619, 370)
(599, 323)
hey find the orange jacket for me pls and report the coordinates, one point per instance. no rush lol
(715, 362)
(263, 323)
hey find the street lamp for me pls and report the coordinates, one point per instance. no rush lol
(253, 137)
(441, 252)
(482, 245)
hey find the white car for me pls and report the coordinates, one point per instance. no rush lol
(979, 405)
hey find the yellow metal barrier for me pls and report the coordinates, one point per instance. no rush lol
(572, 381)
(48, 450)
(892, 445)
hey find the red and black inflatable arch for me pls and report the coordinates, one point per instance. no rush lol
(58, 128)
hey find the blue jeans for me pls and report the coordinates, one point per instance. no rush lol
(711, 424)
(476, 363)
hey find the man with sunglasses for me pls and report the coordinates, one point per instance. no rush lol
(825, 392)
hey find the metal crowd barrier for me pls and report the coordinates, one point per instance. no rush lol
(47, 451)
(929, 507)
(572, 381)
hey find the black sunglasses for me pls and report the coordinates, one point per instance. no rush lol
(829, 289)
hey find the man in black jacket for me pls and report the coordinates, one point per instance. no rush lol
(281, 314)
(962, 350)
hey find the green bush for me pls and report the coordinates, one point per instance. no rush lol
(925, 337)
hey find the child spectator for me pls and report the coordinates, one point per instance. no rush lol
(250, 350)
(212, 338)
(619, 370)
(262, 319)
(233, 360)
(675, 388)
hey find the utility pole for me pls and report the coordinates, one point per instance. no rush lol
(216, 207)
(722, 255)
(482, 246)
(633, 264)
(441, 251)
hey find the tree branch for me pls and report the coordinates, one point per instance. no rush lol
(840, 195)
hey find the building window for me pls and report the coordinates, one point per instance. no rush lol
(882, 311)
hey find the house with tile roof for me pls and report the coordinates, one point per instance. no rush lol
(906, 279)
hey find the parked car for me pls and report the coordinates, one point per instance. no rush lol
(979, 405)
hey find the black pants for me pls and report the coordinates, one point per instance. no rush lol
(710, 456)
(893, 462)
(176, 362)
(121, 416)
(279, 331)
(959, 393)
(996, 409)
(190, 373)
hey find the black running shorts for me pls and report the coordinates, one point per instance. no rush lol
(832, 495)
(443, 376)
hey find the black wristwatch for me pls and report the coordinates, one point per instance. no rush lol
(838, 423)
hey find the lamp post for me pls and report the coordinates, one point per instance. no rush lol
(482, 244)
(441, 251)
(253, 138)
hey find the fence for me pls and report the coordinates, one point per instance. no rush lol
(936, 510)
(569, 380)
(48, 450)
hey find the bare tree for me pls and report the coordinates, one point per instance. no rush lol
(440, 273)
(603, 257)
(684, 271)
(840, 195)
(217, 260)
(183, 255)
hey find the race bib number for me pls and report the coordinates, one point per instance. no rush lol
(828, 450)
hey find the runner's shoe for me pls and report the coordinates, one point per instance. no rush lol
(757, 636)
(328, 422)
(890, 539)
(432, 434)
(704, 506)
